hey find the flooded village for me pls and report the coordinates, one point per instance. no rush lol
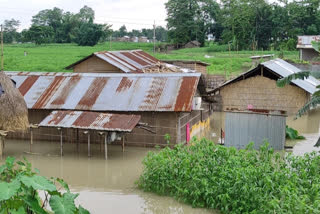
(205, 115)
(93, 126)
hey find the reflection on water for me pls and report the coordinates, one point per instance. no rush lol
(104, 186)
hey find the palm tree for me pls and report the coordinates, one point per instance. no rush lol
(315, 98)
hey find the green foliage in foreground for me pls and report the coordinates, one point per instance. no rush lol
(234, 181)
(20, 187)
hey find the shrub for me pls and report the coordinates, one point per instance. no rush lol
(234, 181)
(19, 191)
(218, 48)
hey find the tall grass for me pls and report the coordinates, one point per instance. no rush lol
(234, 181)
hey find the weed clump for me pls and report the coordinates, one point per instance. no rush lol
(234, 181)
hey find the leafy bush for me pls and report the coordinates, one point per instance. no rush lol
(19, 191)
(234, 181)
(218, 48)
(293, 134)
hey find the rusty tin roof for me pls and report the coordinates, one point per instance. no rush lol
(91, 120)
(305, 41)
(107, 92)
(128, 61)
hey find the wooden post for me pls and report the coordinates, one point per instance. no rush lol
(105, 146)
(89, 149)
(123, 143)
(78, 140)
(2, 69)
(1, 146)
(101, 140)
(61, 142)
(2, 136)
(31, 139)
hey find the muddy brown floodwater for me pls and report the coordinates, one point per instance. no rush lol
(109, 186)
(104, 186)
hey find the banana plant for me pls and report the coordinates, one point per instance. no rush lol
(315, 98)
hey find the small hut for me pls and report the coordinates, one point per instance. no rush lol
(13, 108)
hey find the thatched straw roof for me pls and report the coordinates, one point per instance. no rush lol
(13, 108)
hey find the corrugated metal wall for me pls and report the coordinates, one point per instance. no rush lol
(241, 128)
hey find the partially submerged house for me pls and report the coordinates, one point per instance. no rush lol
(257, 89)
(167, 103)
(306, 51)
(192, 44)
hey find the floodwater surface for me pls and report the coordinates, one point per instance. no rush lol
(108, 186)
(105, 186)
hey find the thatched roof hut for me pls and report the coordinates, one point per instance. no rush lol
(13, 108)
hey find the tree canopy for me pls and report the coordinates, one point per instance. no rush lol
(247, 24)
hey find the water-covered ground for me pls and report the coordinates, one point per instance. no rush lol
(108, 186)
(105, 186)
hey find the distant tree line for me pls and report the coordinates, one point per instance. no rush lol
(244, 24)
(56, 26)
(161, 33)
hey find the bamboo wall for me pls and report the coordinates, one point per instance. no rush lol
(262, 93)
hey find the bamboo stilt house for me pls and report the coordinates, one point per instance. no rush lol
(13, 108)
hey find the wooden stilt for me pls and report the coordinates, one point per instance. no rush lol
(78, 140)
(105, 146)
(123, 144)
(89, 152)
(31, 139)
(1, 146)
(61, 142)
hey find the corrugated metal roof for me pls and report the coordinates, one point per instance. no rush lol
(129, 61)
(107, 92)
(91, 120)
(283, 69)
(305, 41)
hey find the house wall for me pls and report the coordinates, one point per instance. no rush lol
(95, 65)
(262, 93)
(308, 54)
(200, 123)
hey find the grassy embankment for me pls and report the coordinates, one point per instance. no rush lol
(55, 57)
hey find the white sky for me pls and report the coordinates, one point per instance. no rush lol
(135, 14)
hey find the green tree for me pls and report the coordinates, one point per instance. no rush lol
(40, 34)
(10, 28)
(89, 34)
(190, 20)
(86, 14)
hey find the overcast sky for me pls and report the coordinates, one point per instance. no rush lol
(135, 14)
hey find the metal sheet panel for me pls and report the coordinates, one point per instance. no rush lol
(91, 120)
(305, 41)
(241, 128)
(108, 92)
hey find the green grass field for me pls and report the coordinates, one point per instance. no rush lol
(55, 57)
